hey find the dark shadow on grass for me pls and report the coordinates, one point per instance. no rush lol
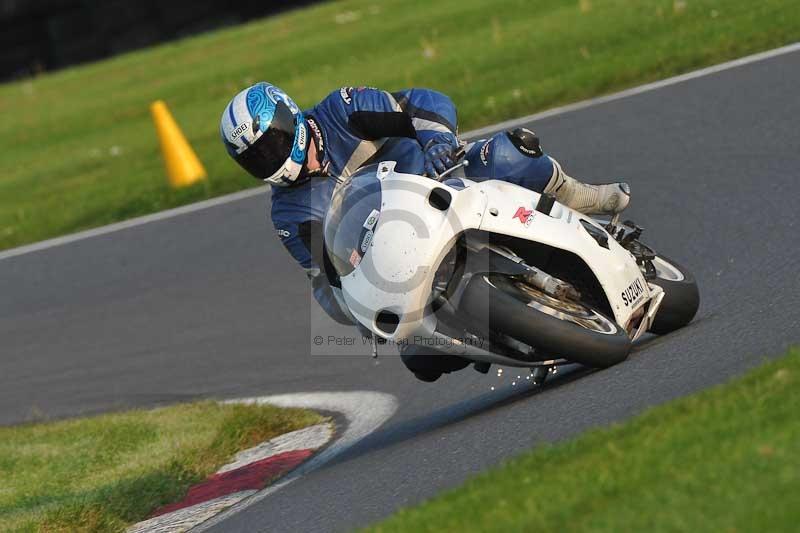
(128, 500)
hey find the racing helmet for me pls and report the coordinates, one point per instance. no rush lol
(265, 132)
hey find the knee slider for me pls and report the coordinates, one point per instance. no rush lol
(526, 141)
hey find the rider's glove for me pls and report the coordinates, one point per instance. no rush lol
(439, 153)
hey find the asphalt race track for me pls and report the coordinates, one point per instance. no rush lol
(208, 304)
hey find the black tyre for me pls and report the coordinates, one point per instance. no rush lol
(681, 298)
(574, 331)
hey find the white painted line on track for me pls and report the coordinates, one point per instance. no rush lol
(309, 438)
(186, 515)
(237, 196)
(365, 411)
(633, 91)
(133, 222)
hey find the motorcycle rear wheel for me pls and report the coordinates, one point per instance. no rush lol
(556, 328)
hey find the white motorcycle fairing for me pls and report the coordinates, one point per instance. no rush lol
(413, 234)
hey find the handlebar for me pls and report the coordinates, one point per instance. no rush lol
(459, 154)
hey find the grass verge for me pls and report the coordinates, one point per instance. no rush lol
(105, 472)
(80, 150)
(725, 459)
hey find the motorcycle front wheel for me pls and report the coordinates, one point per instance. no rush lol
(681, 296)
(556, 328)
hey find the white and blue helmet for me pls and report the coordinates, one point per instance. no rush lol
(265, 132)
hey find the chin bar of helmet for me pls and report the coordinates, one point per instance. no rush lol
(287, 175)
(291, 170)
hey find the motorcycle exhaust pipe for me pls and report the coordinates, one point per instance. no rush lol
(542, 280)
(553, 286)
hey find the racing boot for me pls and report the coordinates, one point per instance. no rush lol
(604, 199)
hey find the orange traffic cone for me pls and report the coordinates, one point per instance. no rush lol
(183, 166)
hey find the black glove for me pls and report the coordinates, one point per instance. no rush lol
(439, 153)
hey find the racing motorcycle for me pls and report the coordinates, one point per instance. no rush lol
(495, 273)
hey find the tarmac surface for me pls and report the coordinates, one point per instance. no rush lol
(190, 307)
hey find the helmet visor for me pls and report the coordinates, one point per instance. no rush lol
(270, 151)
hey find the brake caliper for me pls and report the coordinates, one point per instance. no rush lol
(627, 235)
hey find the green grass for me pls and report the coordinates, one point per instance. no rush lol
(724, 460)
(106, 472)
(80, 150)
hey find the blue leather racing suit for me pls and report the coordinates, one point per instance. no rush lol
(355, 126)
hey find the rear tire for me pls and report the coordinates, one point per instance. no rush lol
(681, 296)
(500, 304)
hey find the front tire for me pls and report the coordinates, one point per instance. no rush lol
(681, 296)
(573, 331)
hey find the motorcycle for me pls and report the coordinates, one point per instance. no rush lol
(493, 273)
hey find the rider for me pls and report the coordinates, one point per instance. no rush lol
(294, 151)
